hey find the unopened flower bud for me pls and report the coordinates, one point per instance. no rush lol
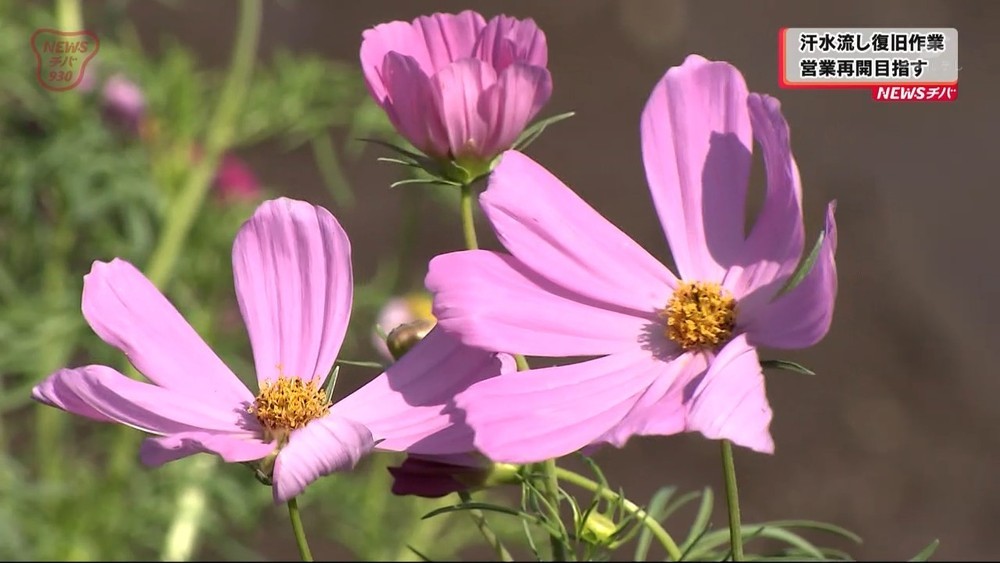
(598, 528)
(406, 336)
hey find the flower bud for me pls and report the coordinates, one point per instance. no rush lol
(598, 528)
(404, 337)
(426, 73)
(415, 306)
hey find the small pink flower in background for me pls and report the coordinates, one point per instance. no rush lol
(235, 181)
(677, 354)
(123, 103)
(397, 311)
(293, 277)
(456, 86)
(437, 476)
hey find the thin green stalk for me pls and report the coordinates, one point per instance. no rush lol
(217, 139)
(468, 218)
(300, 533)
(732, 501)
(651, 524)
(550, 487)
(484, 528)
(69, 18)
(69, 15)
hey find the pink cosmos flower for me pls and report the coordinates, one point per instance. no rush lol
(293, 277)
(677, 353)
(456, 86)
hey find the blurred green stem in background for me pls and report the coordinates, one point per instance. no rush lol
(192, 501)
(69, 18)
(217, 139)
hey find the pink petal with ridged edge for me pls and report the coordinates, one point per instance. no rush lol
(661, 410)
(292, 266)
(540, 414)
(730, 401)
(157, 450)
(802, 317)
(773, 249)
(507, 40)
(432, 41)
(457, 88)
(127, 311)
(551, 230)
(508, 105)
(492, 301)
(411, 105)
(409, 407)
(101, 393)
(321, 447)
(449, 37)
(696, 147)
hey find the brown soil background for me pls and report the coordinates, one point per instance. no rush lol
(897, 436)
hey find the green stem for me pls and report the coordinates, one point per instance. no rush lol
(484, 528)
(69, 18)
(218, 136)
(651, 524)
(732, 501)
(69, 15)
(300, 533)
(550, 487)
(468, 219)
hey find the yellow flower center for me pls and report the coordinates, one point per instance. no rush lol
(700, 315)
(288, 403)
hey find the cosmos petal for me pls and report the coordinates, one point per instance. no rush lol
(408, 408)
(292, 267)
(696, 147)
(325, 445)
(127, 311)
(729, 401)
(539, 414)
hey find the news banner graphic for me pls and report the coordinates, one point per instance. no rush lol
(896, 64)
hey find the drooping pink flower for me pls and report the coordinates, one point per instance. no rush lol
(293, 278)
(677, 354)
(456, 86)
(437, 476)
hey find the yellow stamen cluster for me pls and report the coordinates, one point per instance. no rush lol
(288, 403)
(700, 315)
